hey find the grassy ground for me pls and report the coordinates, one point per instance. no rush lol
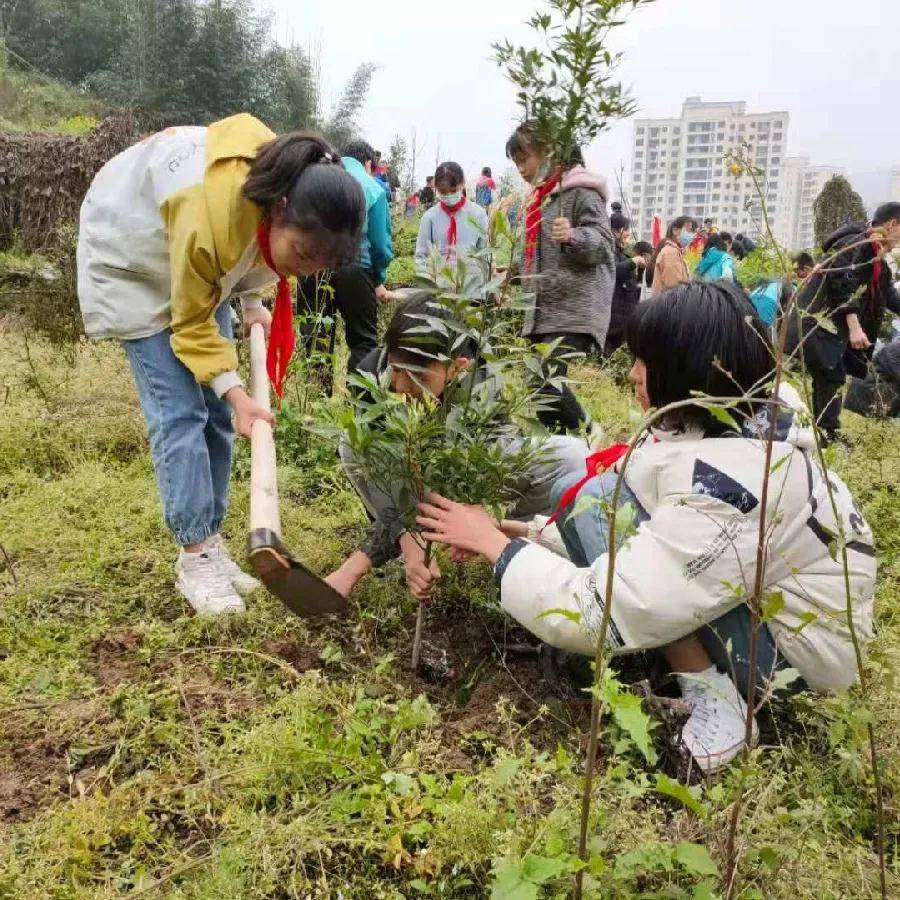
(31, 102)
(146, 753)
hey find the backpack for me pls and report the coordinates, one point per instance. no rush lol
(483, 194)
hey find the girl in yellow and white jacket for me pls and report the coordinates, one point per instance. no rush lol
(170, 230)
(682, 581)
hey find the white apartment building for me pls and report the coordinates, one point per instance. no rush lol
(678, 166)
(801, 183)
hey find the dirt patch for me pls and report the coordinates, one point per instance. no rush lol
(114, 658)
(201, 693)
(38, 762)
(474, 663)
(302, 658)
(34, 769)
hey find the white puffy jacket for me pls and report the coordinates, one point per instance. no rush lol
(696, 556)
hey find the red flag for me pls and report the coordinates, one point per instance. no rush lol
(657, 233)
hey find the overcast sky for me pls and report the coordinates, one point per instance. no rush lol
(833, 65)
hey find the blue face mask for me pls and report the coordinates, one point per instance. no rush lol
(686, 238)
(450, 199)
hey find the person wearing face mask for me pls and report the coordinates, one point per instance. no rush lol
(669, 267)
(568, 263)
(453, 227)
(172, 229)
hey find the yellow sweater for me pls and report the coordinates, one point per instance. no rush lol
(166, 236)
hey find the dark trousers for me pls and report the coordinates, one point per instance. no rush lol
(826, 386)
(564, 412)
(352, 294)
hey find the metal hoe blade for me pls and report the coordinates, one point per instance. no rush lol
(301, 591)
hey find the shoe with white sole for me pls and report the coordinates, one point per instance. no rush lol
(199, 577)
(715, 730)
(243, 583)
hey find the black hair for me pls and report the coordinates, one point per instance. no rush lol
(361, 151)
(487, 172)
(449, 173)
(642, 248)
(804, 260)
(524, 140)
(701, 337)
(320, 197)
(707, 221)
(714, 242)
(680, 222)
(618, 220)
(726, 237)
(413, 339)
(429, 178)
(887, 212)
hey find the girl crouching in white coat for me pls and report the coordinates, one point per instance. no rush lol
(682, 580)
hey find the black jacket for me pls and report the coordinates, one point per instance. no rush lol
(626, 295)
(845, 285)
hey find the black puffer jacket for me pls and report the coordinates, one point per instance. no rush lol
(845, 285)
(626, 296)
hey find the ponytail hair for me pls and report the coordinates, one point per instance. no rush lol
(304, 174)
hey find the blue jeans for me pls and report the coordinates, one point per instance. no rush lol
(191, 435)
(586, 536)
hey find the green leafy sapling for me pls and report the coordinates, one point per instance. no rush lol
(566, 87)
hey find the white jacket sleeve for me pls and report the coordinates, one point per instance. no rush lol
(674, 575)
(423, 243)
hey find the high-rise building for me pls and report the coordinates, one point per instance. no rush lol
(801, 183)
(678, 165)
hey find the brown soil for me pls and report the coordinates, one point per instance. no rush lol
(303, 659)
(114, 658)
(470, 665)
(34, 763)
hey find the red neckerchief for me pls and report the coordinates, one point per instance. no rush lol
(877, 269)
(281, 338)
(595, 464)
(452, 211)
(533, 216)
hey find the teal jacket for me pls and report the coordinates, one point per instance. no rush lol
(715, 264)
(375, 249)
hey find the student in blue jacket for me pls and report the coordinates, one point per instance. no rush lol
(716, 262)
(358, 287)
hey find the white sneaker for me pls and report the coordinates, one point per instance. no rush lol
(714, 733)
(243, 583)
(203, 584)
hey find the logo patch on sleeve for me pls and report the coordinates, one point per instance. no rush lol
(710, 481)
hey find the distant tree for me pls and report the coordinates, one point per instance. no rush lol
(398, 164)
(178, 61)
(341, 125)
(510, 182)
(836, 205)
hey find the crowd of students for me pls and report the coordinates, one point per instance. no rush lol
(173, 229)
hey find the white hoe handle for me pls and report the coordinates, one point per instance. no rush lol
(263, 481)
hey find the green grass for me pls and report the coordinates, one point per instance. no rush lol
(36, 102)
(146, 752)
